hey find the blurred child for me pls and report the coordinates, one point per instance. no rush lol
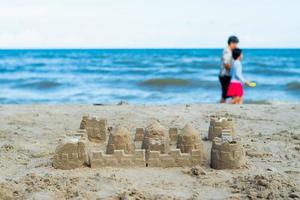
(235, 89)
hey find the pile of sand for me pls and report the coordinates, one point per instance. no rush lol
(267, 186)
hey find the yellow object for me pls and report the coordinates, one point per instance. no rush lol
(252, 84)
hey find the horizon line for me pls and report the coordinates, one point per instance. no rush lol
(135, 48)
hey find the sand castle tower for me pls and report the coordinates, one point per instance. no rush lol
(218, 124)
(120, 139)
(70, 155)
(96, 130)
(83, 122)
(189, 139)
(227, 154)
(156, 138)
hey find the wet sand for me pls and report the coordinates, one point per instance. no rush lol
(29, 134)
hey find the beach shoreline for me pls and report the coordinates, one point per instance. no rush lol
(270, 134)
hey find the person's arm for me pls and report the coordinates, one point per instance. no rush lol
(227, 66)
(227, 56)
(239, 73)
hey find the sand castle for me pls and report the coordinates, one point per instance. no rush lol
(151, 147)
(96, 145)
(218, 124)
(227, 154)
(226, 151)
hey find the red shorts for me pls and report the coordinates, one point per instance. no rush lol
(235, 89)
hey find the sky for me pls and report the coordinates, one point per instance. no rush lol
(148, 23)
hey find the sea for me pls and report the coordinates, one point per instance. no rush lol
(141, 76)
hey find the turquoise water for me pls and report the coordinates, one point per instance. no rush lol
(165, 76)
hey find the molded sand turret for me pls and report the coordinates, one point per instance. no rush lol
(96, 130)
(70, 155)
(189, 139)
(226, 154)
(218, 124)
(156, 138)
(120, 139)
(84, 122)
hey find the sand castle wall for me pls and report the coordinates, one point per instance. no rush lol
(117, 159)
(174, 159)
(138, 159)
(227, 155)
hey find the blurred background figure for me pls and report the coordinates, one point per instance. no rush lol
(226, 63)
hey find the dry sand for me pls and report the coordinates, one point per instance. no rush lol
(29, 134)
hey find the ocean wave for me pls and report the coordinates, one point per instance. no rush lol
(259, 64)
(39, 85)
(272, 71)
(294, 86)
(180, 83)
(163, 82)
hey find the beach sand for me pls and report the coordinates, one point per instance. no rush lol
(29, 135)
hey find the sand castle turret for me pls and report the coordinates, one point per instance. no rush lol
(120, 139)
(218, 124)
(156, 138)
(83, 122)
(96, 130)
(189, 139)
(227, 154)
(70, 155)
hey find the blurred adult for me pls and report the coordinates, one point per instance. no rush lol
(226, 63)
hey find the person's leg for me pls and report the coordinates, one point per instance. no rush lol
(225, 81)
(223, 96)
(241, 100)
(234, 100)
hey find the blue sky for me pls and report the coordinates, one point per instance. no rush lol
(148, 23)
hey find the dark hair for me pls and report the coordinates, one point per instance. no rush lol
(233, 39)
(236, 53)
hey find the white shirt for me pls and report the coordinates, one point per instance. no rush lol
(226, 59)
